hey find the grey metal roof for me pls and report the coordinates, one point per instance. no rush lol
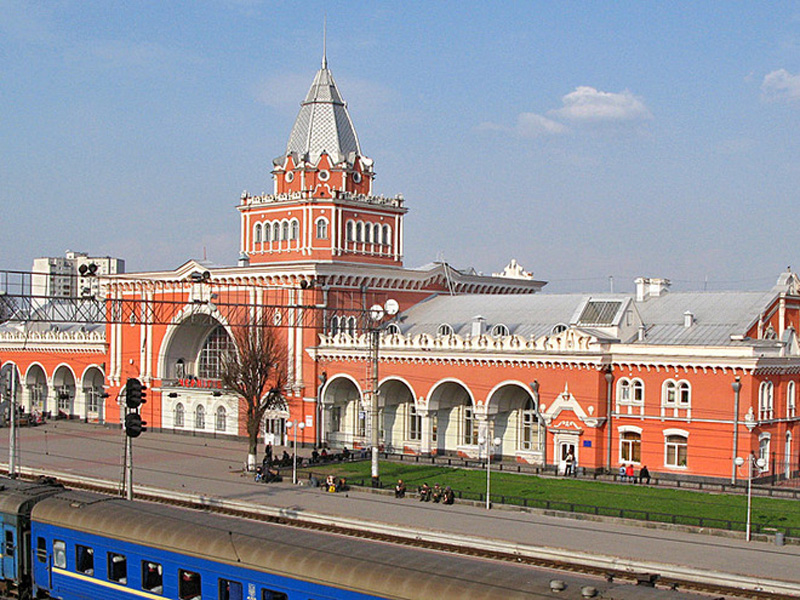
(716, 315)
(323, 123)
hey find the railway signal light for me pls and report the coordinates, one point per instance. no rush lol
(134, 426)
(134, 393)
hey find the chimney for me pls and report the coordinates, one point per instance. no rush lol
(478, 326)
(688, 319)
(650, 287)
(641, 334)
(244, 260)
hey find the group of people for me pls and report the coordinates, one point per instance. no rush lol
(322, 456)
(436, 494)
(627, 473)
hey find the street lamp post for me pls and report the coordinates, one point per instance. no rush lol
(299, 425)
(760, 463)
(495, 442)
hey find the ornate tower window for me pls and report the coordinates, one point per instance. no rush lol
(322, 229)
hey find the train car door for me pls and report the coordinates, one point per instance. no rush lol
(9, 562)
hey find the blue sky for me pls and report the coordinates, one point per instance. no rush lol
(584, 139)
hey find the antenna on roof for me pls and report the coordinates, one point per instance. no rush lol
(325, 42)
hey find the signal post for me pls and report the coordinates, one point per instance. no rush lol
(134, 426)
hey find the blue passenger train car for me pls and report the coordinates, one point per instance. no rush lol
(17, 499)
(89, 546)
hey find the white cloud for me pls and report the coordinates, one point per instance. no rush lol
(587, 104)
(781, 85)
(532, 125)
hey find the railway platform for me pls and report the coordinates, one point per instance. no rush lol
(212, 468)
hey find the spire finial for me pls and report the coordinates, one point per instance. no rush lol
(325, 42)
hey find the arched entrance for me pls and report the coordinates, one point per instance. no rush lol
(455, 426)
(516, 421)
(92, 387)
(64, 388)
(36, 389)
(344, 417)
(274, 425)
(401, 426)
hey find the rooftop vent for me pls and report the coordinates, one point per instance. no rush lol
(478, 326)
(650, 287)
(688, 319)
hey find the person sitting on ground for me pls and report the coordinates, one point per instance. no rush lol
(341, 485)
(622, 473)
(437, 493)
(644, 474)
(448, 497)
(345, 453)
(286, 460)
(324, 455)
(271, 475)
(629, 475)
(400, 489)
(330, 483)
(314, 455)
(312, 480)
(259, 473)
(424, 493)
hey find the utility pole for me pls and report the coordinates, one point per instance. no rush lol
(12, 433)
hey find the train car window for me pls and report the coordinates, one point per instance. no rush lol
(230, 590)
(84, 559)
(189, 587)
(59, 554)
(117, 568)
(41, 549)
(273, 595)
(152, 578)
(9, 545)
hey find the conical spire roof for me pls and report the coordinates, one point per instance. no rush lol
(324, 123)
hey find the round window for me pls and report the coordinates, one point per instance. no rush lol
(356, 177)
(289, 177)
(324, 176)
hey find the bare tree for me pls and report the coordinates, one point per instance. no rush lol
(255, 369)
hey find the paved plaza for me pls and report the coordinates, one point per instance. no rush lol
(213, 467)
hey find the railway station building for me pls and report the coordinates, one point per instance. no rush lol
(682, 382)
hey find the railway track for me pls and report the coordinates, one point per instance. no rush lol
(688, 580)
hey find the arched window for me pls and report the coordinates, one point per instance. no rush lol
(684, 394)
(630, 446)
(359, 232)
(376, 234)
(763, 450)
(221, 422)
(179, 414)
(638, 391)
(200, 417)
(285, 230)
(500, 330)
(322, 229)
(444, 330)
(295, 233)
(558, 329)
(257, 233)
(470, 425)
(393, 329)
(217, 345)
(765, 400)
(387, 235)
(349, 228)
(367, 233)
(335, 325)
(351, 326)
(624, 391)
(529, 426)
(791, 400)
(675, 450)
(267, 229)
(670, 393)
(276, 231)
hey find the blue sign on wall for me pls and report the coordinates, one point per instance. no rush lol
(587, 443)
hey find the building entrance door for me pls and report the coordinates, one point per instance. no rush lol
(566, 448)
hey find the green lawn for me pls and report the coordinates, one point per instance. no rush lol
(630, 501)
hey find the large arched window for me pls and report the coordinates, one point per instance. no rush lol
(630, 446)
(217, 345)
(200, 417)
(765, 400)
(675, 450)
(221, 422)
(179, 415)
